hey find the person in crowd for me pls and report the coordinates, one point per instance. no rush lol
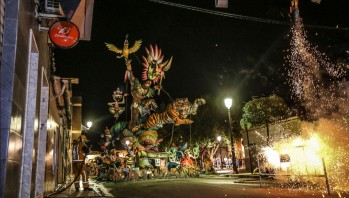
(80, 151)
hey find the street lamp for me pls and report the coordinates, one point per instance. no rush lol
(89, 124)
(219, 138)
(85, 129)
(127, 142)
(228, 103)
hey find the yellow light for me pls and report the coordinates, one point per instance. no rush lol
(314, 142)
(272, 156)
(298, 142)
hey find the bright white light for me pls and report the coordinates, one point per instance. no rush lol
(89, 124)
(272, 156)
(127, 142)
(228, 102)
(219, 138)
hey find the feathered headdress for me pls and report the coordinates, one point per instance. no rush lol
(154, 68)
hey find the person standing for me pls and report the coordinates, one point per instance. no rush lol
(80, 150)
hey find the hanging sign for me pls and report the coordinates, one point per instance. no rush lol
(64, 34)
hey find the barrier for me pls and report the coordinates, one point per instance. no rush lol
(289, 175)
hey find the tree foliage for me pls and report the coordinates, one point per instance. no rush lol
(263, 111)
(211, 145)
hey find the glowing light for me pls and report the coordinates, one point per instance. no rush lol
(89, 124)
(219, 138)
(302, 155)
(314, 142)
(297, 142)
(228, 102)
(320, 87)
(272, 156)
(51, 124)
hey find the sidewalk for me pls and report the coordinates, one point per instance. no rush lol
(70, 192)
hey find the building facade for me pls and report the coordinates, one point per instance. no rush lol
(255, 139)
(36, 107)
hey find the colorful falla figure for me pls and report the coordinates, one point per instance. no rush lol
(142, 129)
(154, 67)
(114, 107)
(125, 51)
(141, 92)
(106, 139)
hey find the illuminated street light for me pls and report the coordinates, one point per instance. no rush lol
(89, 124)
(219, 138)
(127, 142)
(86, 129)
(228, 103)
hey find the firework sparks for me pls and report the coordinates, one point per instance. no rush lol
(300, 157)
(313, 78)
(317, 84)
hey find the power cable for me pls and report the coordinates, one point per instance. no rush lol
(240, 17)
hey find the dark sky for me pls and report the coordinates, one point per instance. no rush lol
(212, 54)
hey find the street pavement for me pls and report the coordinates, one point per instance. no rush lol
(223, 184)
(70, 192)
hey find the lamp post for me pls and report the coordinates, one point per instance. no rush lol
(228, 103)
(219, 138)
(249, 149)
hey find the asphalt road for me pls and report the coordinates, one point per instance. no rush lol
(207, 186)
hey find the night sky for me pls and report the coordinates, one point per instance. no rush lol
(212, 55)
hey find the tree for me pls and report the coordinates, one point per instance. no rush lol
(211, 145)
(207, 125)
(263, 111)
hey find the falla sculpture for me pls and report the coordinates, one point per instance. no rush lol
(140, 132)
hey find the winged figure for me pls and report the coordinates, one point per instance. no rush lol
(125, 51)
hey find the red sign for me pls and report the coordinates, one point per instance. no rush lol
(64, 34)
